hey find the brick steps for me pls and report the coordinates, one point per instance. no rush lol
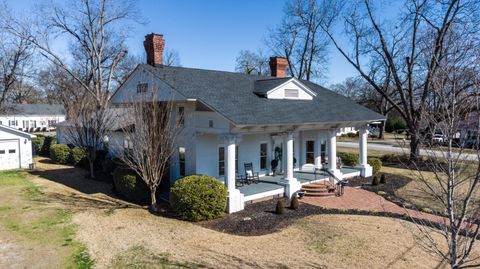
(318, 189)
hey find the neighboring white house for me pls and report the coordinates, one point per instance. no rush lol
(15, 148)
(32, 117)
(230, 119)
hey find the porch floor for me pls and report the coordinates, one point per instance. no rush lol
(272, 185)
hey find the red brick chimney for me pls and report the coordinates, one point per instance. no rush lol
(154, 44)
(278, 67)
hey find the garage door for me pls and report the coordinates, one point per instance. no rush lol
(9, 154)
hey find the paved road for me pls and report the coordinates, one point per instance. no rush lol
(392, 149)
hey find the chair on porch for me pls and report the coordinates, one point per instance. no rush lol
(250, 175)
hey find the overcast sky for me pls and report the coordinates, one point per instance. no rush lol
(209, 34)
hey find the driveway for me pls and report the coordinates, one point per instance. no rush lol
(400, 150)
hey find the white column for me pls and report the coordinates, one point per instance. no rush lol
(318, 150)
(365, 168)
(332, 154)
(297, 148)
(289, 156)
(292, 184)
(235, 198)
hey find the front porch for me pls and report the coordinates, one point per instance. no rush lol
(275, 185)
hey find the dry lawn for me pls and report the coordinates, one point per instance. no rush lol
(119, 237)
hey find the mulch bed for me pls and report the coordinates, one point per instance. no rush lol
(260, 218)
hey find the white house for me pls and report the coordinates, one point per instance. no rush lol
(15, 148)
(32, 117)
(230, 119)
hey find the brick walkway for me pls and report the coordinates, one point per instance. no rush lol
(361, 199)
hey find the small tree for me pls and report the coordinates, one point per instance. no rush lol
(150, 140)
(88, 127)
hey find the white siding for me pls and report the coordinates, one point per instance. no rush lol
(25, 145)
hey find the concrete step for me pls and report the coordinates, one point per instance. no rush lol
(319, 194)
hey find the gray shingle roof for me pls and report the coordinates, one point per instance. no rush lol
(262, 86)
(233, 96)
(34, 109)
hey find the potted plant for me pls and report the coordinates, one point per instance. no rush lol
(274, 164)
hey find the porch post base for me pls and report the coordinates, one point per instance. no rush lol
(235, 201)
(292, 186)
(365, 170)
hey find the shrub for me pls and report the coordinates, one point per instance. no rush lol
(375, 181)
(48, 142)
(37, 144)
(383, 180)
(59, 153)
(352, 135)
(294, 204)
(78, 156)
(198, 197)
(130, 185)
(376, 164)
(348, 159)
(280, 208)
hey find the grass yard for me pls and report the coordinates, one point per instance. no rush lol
(36, 235)
(56, 218)
(371, 153)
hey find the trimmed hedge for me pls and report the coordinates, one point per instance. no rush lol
(37, 144)
(48, 142)
(78, 156)
(198, 197)
(376, 164)
(130, 185)
(59, 153)
(348, 159)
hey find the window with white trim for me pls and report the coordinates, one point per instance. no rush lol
(310, 152)
(221, 161)
(181, 160)
(263, 156)
(142, 87)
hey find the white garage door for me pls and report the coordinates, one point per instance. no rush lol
(9, 154)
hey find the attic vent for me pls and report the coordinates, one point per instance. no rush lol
(291, 93)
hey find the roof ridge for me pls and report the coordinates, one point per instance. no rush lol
(211, 70)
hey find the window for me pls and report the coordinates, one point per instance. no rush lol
(2, 151)
(210, 123)
(263, 156)
(181, 115)
(181, 160)
(323, 151)
(310, 152)
(236, 159)
(11, 123)
(142, 87)
(221, 161)
(11, 151)
(291, 93)
(127, 147)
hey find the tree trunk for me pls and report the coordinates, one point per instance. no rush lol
(381, 133)
(153, 203)
(415, 144)
(91, 165)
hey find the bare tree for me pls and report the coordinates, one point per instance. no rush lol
(88, 126)
(23, 92)
(300, 39)
(151, 136)
(15, 54)
(456, 172)
(96, 30)
(252, 63)
(171, 58)
(409, 48)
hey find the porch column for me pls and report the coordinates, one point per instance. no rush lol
(332, 154)
(235, 198)
(297, 149)
(365, 168)
(318, 149)
(292, 184)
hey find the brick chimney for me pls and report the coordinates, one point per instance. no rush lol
(154, 44)
(278, 67)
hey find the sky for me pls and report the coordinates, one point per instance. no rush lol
(209, 34)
